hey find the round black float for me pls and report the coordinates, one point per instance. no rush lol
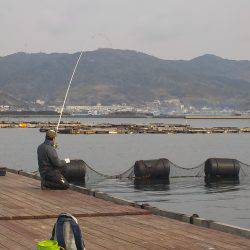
(152, 169)
(222, 168)
(75, 171)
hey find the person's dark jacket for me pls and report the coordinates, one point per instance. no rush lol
(48, 159)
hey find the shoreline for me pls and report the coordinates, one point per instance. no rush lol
(188, 117)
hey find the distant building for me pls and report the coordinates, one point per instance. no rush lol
(4, 108)
(40, 102)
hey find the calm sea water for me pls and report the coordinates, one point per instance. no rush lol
(112, 154)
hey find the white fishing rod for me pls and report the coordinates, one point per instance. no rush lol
(67, 92)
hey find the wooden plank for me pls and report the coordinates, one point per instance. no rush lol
(19, 204)
(50, 196)
(191, 232)
(169, 224)
(140, 229)
(130, 232)
(17, 193)
(110, 241)
(13, 240)
(140, 235)
(117, 232)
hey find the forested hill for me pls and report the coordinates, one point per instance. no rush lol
(113, 76)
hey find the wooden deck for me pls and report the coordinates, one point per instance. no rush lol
(27, 215)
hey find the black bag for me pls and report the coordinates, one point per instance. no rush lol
(67, 233)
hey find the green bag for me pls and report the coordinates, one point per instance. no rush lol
(48, 245)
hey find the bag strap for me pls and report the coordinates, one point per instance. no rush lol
(77, 235)
(59, 232)
(53, 232)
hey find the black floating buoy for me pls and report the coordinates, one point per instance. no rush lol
(75, 171)
(222, 168)
(152, 169)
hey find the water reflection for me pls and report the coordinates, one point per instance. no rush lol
(216, 185)
(152, 185)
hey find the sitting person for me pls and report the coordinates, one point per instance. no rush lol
(50, 166)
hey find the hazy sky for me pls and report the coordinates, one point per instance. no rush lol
(170, 29)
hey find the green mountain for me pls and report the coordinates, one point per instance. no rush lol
(113, 76)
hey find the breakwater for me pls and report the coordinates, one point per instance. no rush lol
(73, 127)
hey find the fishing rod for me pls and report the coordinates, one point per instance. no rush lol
(72, 77)
(67, 91)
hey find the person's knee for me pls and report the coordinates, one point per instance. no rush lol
(54, 181)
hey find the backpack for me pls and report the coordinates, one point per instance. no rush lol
(67, 233)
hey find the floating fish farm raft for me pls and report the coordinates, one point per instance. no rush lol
(107, 128)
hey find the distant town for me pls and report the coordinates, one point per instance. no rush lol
(157, 108)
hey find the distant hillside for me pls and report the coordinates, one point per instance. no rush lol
(121, 76)
(9, 100)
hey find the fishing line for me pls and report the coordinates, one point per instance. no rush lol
(67, 92)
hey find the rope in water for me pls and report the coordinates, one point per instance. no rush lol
(130, 172)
